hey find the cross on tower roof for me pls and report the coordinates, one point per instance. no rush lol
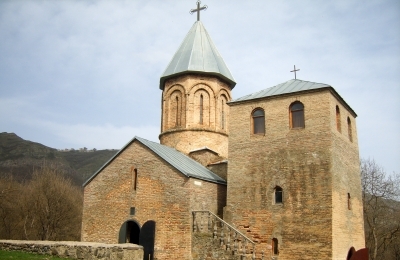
(198, 9)
(294, 71)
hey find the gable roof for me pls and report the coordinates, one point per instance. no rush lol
(204, 148)
(184, 164)
(292, 86)
(197, 53)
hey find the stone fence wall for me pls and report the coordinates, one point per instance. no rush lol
(76, 250)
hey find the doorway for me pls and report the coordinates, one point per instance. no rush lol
(129, 232)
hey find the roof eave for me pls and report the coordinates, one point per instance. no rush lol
(186, 174)
(330, 88)
(229, 81)
(207, 180)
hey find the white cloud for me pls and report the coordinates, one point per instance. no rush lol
(77, 73)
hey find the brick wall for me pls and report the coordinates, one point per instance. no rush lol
(300, 161)
(348, 224)
(162, 194)
(181, 108)
(188, 140)
(205, 157)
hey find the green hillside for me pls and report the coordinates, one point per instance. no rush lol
(19, 158)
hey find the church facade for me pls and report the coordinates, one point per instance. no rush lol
(280, 165)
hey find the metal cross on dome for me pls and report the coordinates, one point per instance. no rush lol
(294, 71)
(198, 9)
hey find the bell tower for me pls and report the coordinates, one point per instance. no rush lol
(196, 87)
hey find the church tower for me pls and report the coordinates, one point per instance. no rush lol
(196, 87)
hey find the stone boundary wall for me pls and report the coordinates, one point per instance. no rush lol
(76, 250)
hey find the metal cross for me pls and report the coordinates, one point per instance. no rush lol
(294, 71)
(198, 9)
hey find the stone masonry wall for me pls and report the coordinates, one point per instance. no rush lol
(297, 160)
(76, 250)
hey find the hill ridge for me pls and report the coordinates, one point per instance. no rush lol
(19, 158)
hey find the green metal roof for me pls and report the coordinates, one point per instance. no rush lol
(184, 164)
(292, 86)
(197, 53)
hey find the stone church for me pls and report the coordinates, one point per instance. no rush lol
(270, 175)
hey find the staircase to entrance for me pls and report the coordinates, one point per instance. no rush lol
(214, 238)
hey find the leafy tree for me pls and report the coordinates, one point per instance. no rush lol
(381, 193)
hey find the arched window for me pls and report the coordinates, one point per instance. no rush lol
(136, 180)
(174, 114)
(177, 123)
(350, 132)
(274, 245)
(201, 109)
(297, 115)
(338, 125)
(278, 195)
(258, 121)
(222, 115)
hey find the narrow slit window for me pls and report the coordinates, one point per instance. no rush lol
(338, 124)
(258, 121)
(222, 115)
(177, 111)
(278, 195)
(135, 180)
(349, 129)
(348, 201)
(275, 250)
(297, 115)
(201, 109)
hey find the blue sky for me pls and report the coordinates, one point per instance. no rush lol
(86, 73)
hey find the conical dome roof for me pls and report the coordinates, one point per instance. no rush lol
(197, 53)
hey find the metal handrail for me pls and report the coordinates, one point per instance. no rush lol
(225, 223)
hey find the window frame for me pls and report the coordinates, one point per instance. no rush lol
(294, 114)
(256, 118)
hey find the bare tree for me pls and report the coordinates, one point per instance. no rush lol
(46, 207)
(53, 207)
(10, 194)
(381, 193)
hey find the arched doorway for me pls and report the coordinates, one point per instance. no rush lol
(147, 239)
(129, 232)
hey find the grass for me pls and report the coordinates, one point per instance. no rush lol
(24, 255)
